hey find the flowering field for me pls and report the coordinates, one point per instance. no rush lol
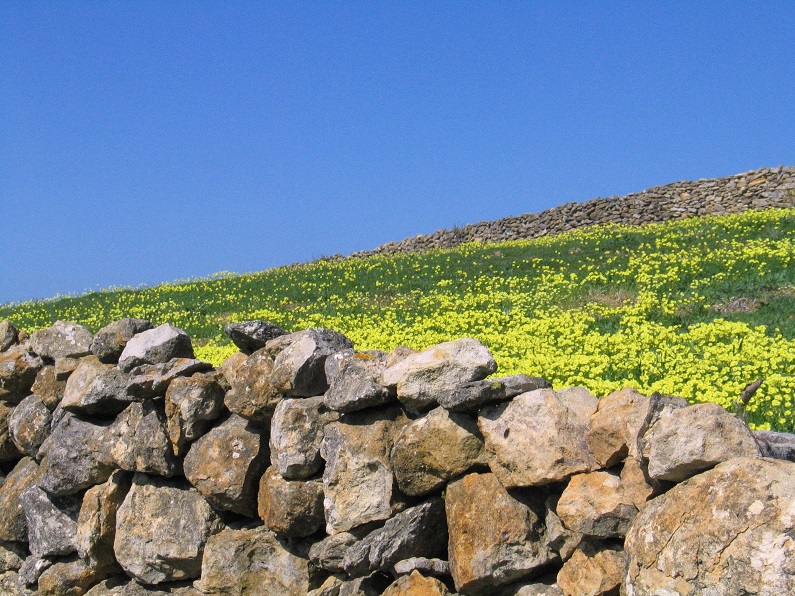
(697, 308)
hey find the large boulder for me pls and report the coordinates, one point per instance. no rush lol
(155, 346)
(291, 508)
(192, 403)
(552, 425)
(153, 380)
(420, 378)
(356, 384)
(13, 527)
(252, 395)
(161, 530)
(18, 369)
(297, 434)
(96, 389)
(251, 336)
(51, 521)
(29, 424)
(110, 341)
(731, 526)
(62, 340)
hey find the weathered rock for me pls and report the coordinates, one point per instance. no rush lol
(67, 578)
(776, 445)
(32, 568)
(9, 335)
(637, 487)
(558, 537)
(13, 527)
(693, 439)
(72, 462)
(96, 389)
(137, 441)
(421, 378)
(291, 508)
(255, 561)
(495, 538)
(371, 585)
(415, 584)
(434, 449)
(18, 369)
(358, 480)
(542, 586)
(124, 586)
(297, 434)
(110, 341)
(225, 465)
(419, 531)
(660, 406)
(470, 397)
(229, 366)
(12, 554)
(29, 424)
(616, 425)
(96, 522)
(62, 340)
(424, 565)
(251, 336)
(334, 363)
(329, 553)
(12, 585)
(595, 504)
(161, 530)
(8, 449)
(595, 569)
(731, 527)
(192, 403)
(152, 380)
(155, 346)
(252, 395)
(356, 385)
(51, 521)
(299, 360)
(552, 425)
(49, 387)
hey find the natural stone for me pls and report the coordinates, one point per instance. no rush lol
(12, 554)
(67, 578)
(51, 521)
(558, 537)
(183, 521)
(49, 387)
(357, 384)
(420, 378)
(424, 565)
(251, 336)
(29, 424)
(253, 396)
(96, 389)
(13, 527)
(595, 569)
(18, 369)
(371, 585)
(8, 449)
(32, 568)
(552, 425)
(470, 397)
(542, 586)
(415, 584)
(330, 552)
(153, 380)
(96, 522)
(192, 403)
(155, 346)
(637, 487)
(434, 449)
(595, 504)
(297, 434)
(291, 508)
(110, 341)
(776, 444)
(124, 586)
(63, 339)
(616, 425)
(9, 335)
(225, 465)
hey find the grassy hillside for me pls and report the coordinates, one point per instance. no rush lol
(696, 308)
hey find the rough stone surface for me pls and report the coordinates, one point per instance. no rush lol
(96, 389)
(153, 380)
(420, 378)
(124, 586)
(155, 346)
(66, 578)
(470, 397)
(356, 384)
(13, 527)
(192, 403)
(12, 554)
(51, 521)
(638, 488)
(297, 434)
(63, 339)
(358, 480)
(291, 508)
(415, 584)
(300, 358)
(424, 565)
(543, 586)
(595, 569)
(616, 426)
(96, 522)
(110, 341)
(161, 530)
(255, 561)
(49, 387)
(225, 465)
(29, 424)
(495, 538)
(595, 504)
(18, 369)
(552, 425)
(253, 396)
(693, 439)
(9, 335)
(776, 445)
(251, 336)
(558, 537)
(329, 553)
(731, 526)
(8, 449)
(434, 449)
(32, 568)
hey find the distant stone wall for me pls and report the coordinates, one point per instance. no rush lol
(302, 466)
(757, 189)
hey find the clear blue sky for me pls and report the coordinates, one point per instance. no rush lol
(142, 142)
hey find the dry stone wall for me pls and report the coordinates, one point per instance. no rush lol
(303, 466)
(758, 189)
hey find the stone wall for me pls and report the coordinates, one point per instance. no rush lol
(758, 189)
(303, 466)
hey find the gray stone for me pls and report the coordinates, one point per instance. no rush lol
(558, 537)
(334, 363)
(29, 424)
(96, 522)
(9, 335)
(96, 389)
(18, 369)
(155, 346)
(372, 585)
(776, 445)
(251, 336)
(330, 552)
(124, 586)
(67, 577)
(252, 395)
(297, 434)
(32, 568)
(192, 403)
(424, 565)
(12, 555)
(63, 339)
(51, 521)
(471, 396)
(8, 449)
(291, 508)
(356, 385)
(541, 586)
(110, 341)
(13, 527)
(152, 380)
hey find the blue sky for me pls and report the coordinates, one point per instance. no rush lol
(142, 142)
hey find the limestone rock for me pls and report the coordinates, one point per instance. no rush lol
(558, 537)
(434, 449)
(731, 527)
(18, 369)
(161, 530)
(12, 554)
(300, 358)
(96, 389)
(424, 565)
(595, 569)
(32, 568)
(595, 504)
(192, 403)
(61, 340)
(637, 487)
(776, 445)
(542, 586)
(356, 385)
(124, 586)
(155, 346)
(110, 341)
(255, 561)
(415, 584)
(29, 424)
(693, 439)
(49, 387)
(9, 335)
(334, 363)
(616, 425)
(225, 465)
(67, 578)
(8, 449)
(330, 552)
(251, 336)
(420, 378)
(552, 425)
(253, 396)
(660, 406)
(291, 508)
(96, 522)
(419, 531)
(297, 434)
(470, 397)
(358, 480)
(51, 521)
(495, 538)
(12, 585)
(13, 527)
(371, 585)
(152, 380)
